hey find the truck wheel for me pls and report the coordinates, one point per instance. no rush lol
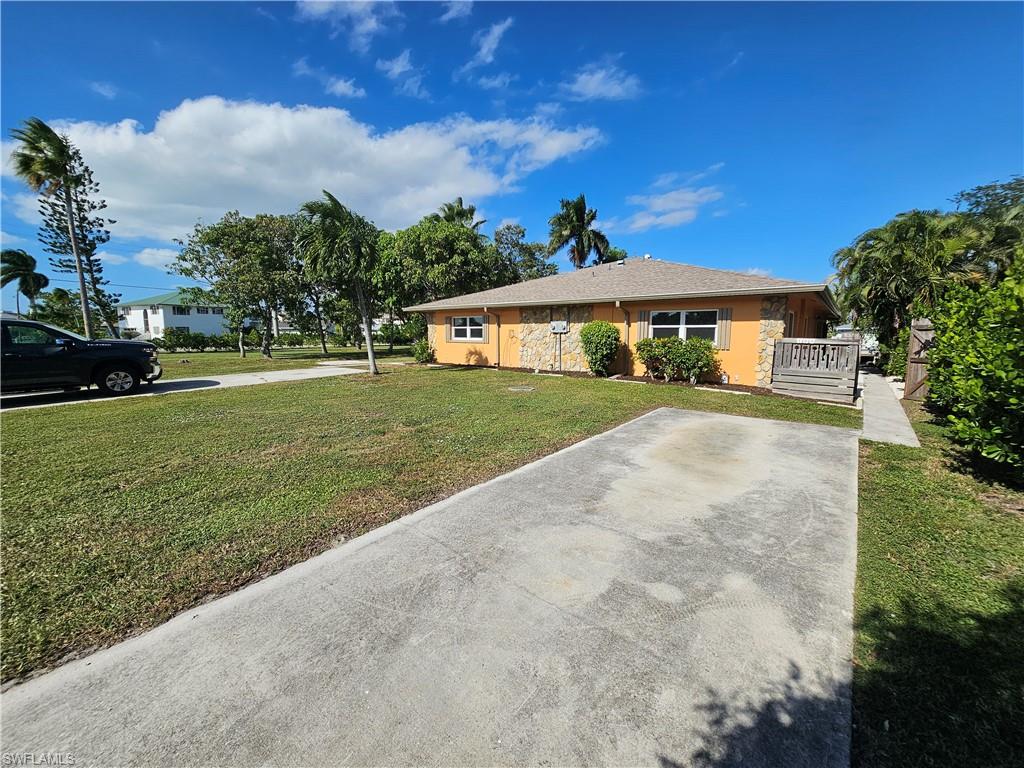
(118, 380)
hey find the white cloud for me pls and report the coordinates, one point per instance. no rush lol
(361, 21)
(664, 210)
(112, 258)
(757, 272)
(158, 258)
(106, 90)
(548, 108)
(401, 69)
(497, 82)
(458, 9)
(210, 155)
(336, 86)
(486, 42)
(7, 240)
(602, 80)
(396, 67)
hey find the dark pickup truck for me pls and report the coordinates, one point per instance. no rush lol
(38, 356)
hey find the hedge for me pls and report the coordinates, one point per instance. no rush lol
(600, 342)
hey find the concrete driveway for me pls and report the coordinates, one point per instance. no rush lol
(677, 591)
(162, 387)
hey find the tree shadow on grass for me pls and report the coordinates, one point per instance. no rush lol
(938, 686)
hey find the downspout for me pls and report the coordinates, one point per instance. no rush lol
(497, 333)
(629, 357)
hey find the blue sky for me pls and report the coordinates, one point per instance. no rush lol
(741, 136)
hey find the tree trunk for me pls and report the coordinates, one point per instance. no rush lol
(17, 303)
(364, 313)
(391, 330)
(320, 324)
(241, 342)
(82, 295)
(268, 335)
(104, 308)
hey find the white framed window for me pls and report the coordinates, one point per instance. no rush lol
(468, 328)
(217, 310)
(202, 310)
(685, 324)
(176, 310)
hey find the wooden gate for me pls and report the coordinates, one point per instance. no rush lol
(819, 369)
(921, 335)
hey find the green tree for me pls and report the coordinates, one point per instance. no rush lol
(91, 232)
(439, 259)
(61, 308)
(340, 249)
(909, 261)
(456, 212)
(993, 215)
(247, 264)
(45, 162)
(527, 260)
(573, 225)
(613, 254)
(17, 265)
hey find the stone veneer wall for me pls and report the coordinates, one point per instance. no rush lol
(538, 346)
(772, 328)
(431, 331)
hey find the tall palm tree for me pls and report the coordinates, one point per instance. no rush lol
(43, 160)
(458, 213)
(340, 249)
(911, 259)
(573, 226)
(17, 265)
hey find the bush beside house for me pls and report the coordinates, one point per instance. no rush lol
(674, 359)
(600, 342)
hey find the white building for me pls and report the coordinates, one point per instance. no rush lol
(152, 316)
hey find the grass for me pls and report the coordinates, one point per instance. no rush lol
(214, 363)
(119, 514)
(939, 611)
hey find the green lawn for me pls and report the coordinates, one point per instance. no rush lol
(186, 365)
(119, 514)
(939, 611)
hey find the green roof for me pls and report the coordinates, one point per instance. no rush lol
(174, 297)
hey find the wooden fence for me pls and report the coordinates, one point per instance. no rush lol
(921, 335)
(819, 369)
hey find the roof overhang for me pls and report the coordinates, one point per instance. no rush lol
(821, 288)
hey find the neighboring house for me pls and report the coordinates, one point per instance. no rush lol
(536, 324)
(151, 317)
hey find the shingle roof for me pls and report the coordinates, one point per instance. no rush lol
(632, 279)
(174, 297)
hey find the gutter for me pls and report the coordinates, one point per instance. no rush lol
(497, 333)
(763, 291)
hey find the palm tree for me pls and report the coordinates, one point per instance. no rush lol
(573, 226)
(340, 248)
(910, 260)
(457, 213)
(17, 265)
(44, 162)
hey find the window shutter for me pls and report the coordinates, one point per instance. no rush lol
(724, 327)
(643, 325)
(448, 328)
(487, 323)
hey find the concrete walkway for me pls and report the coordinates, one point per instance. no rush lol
(92, 395)
(884, 417)
(676, 591)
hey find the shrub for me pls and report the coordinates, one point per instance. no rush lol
(649, 353)
(422, 352)
(976, 365)
(600, 342)
(675, 359)
(894, 355)
(289, 340)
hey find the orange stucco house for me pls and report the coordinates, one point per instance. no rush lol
(536, 324)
